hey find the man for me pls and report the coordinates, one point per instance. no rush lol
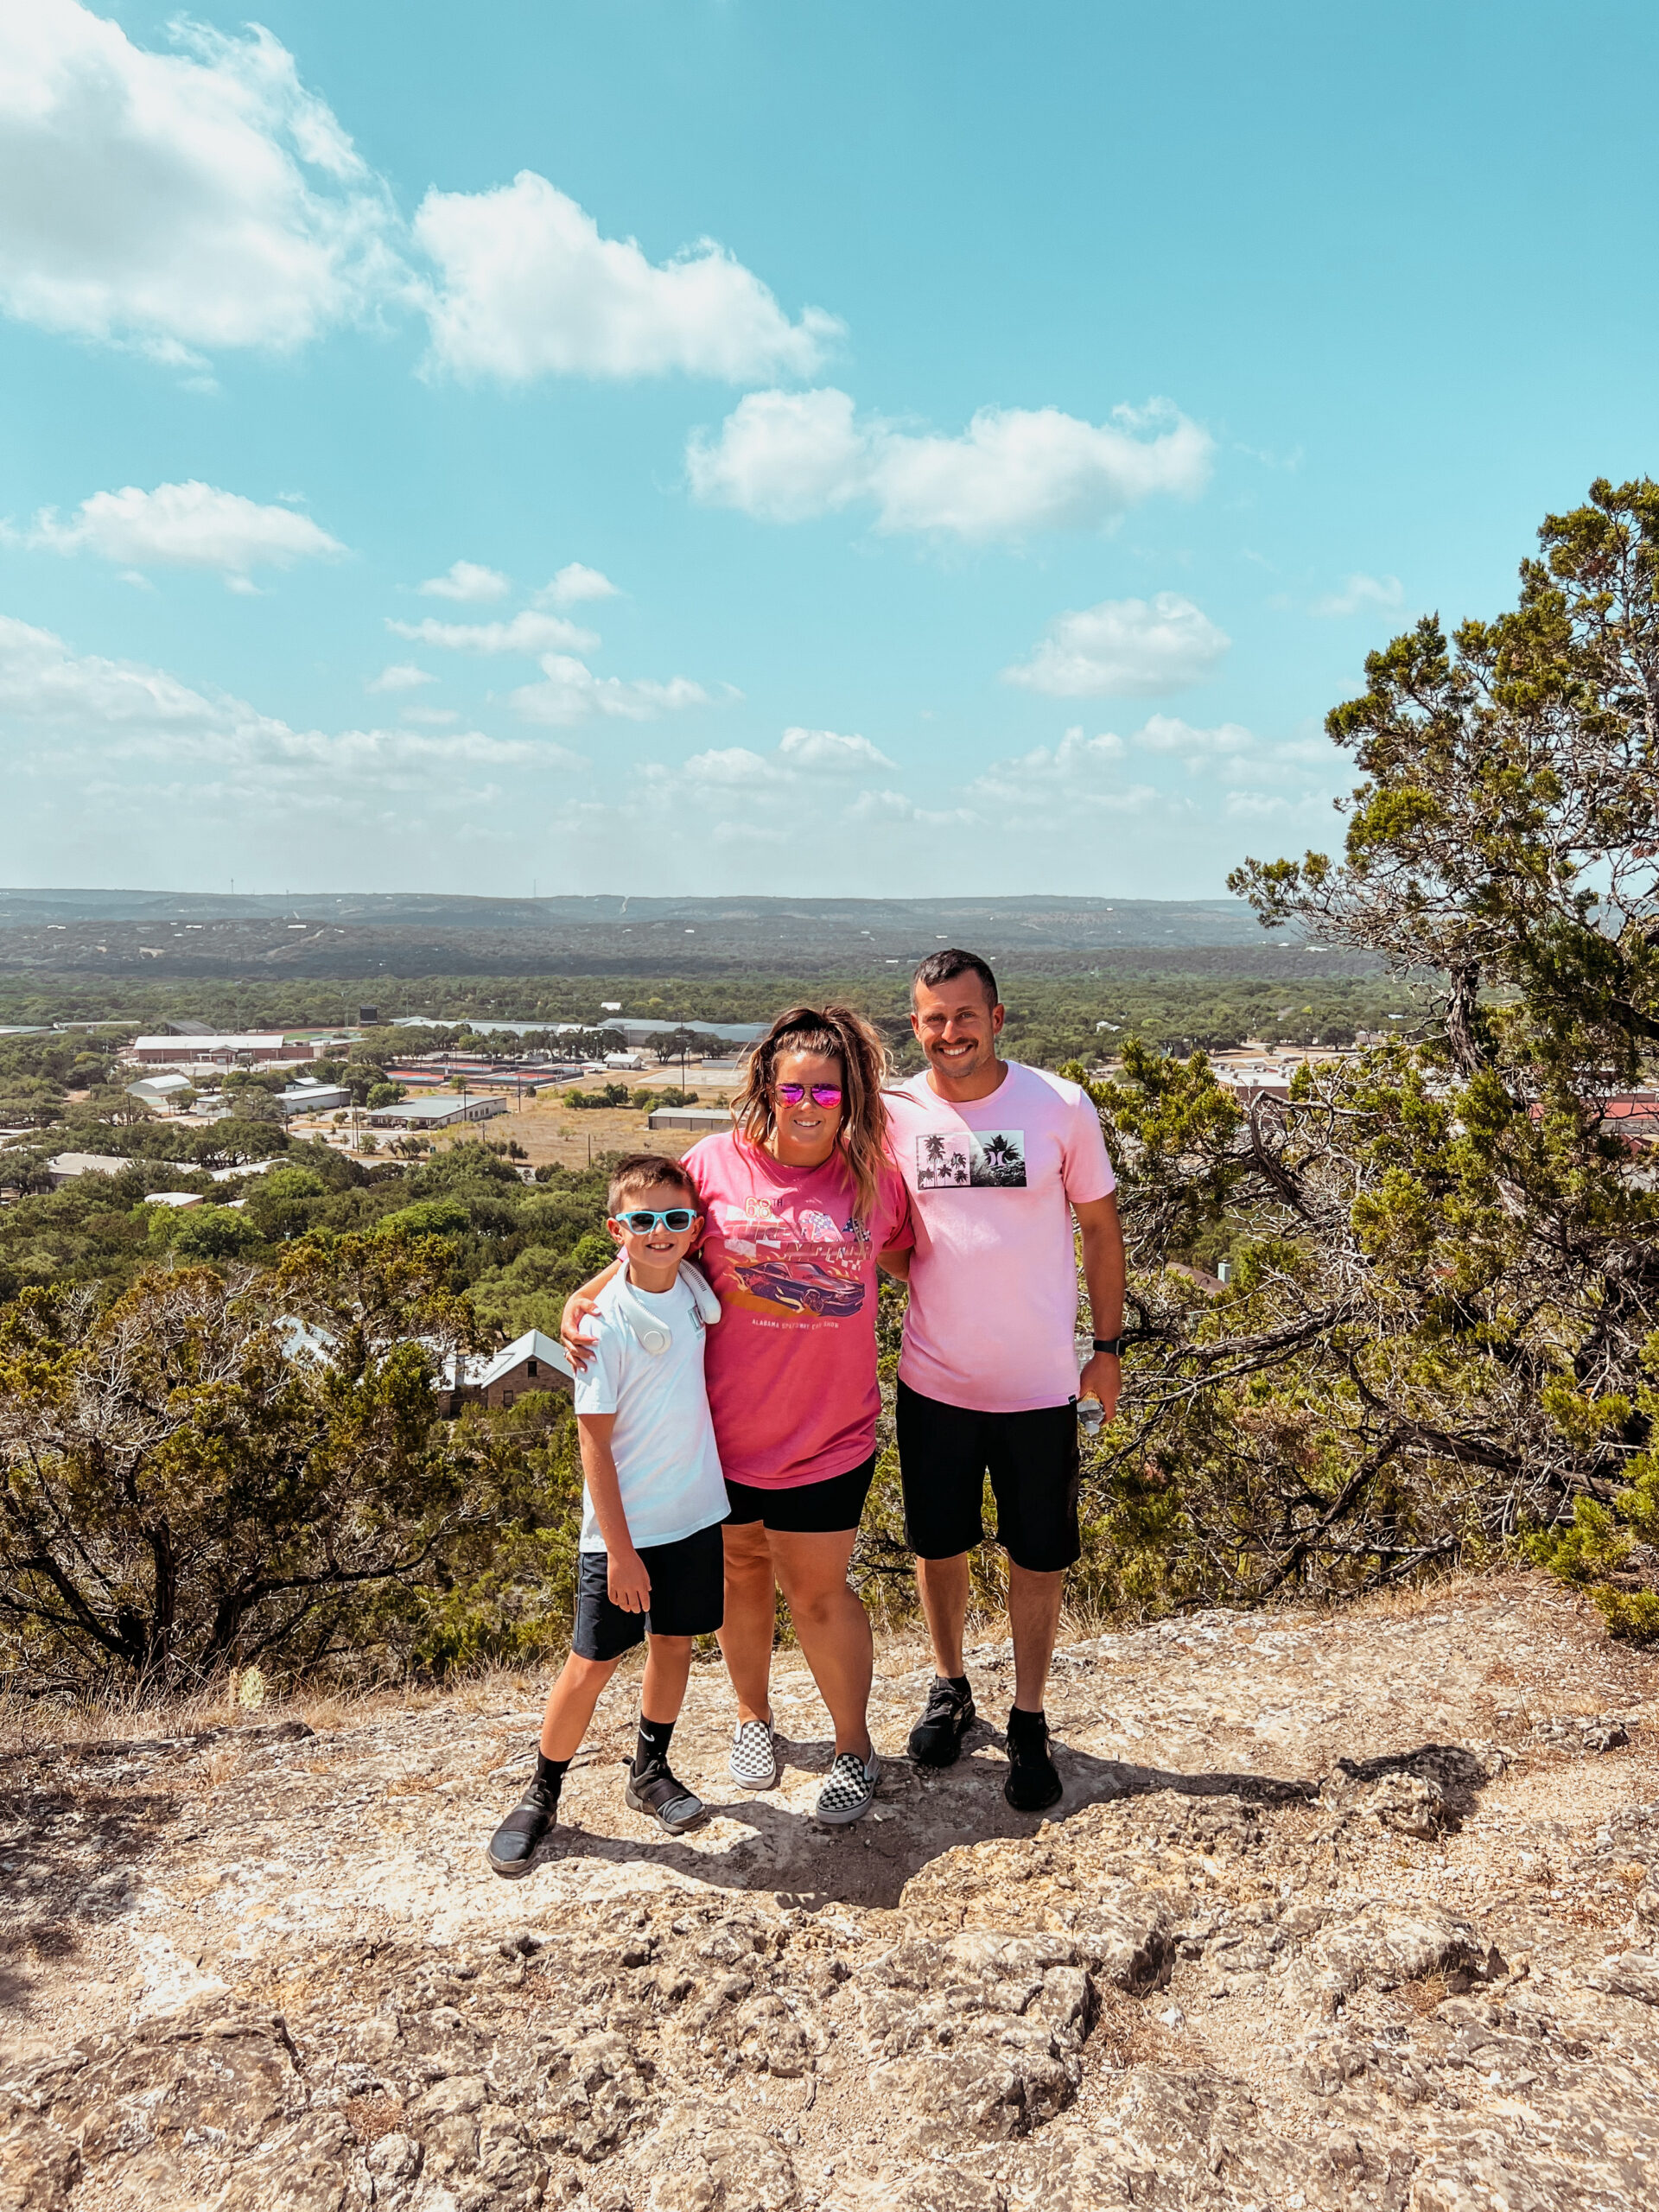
(999, 1157)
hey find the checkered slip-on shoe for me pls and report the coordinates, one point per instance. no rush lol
(850, 1791)
(755, 1763)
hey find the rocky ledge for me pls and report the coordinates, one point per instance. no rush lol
(1356, 1910)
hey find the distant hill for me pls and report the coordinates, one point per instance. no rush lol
(389, 934)
(908, 926)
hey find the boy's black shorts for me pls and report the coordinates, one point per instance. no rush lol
(945, 1455)
(688, 1596)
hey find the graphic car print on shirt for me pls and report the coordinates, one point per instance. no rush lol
(977, 1159)
(801, 1286)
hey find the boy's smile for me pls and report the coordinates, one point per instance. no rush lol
(652, 1256)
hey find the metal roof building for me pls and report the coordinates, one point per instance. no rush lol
(435, 1113)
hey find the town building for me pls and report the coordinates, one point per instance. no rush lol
(706, 1121)
(163, 1094)
(263, 1048)
(308, 1095)
(176, 1199)
(68, 1165)
(435, 1113)
(531, 1362)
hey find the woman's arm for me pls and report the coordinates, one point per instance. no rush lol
(579, 1350)
(895, 1263)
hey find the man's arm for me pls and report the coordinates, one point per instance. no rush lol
(1102, 1270)
(629, 1583)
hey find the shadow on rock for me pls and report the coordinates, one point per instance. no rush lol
(919, 1815)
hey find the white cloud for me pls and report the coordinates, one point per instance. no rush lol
(574, 583)
(527, 288)
(186, 525)
(80, 713)
(733, 768)
(801, 754)
(827, 753)
(572, 693)
(402, 676)
(176, 201)
(889, 808)
(787, 456)
(468, 582)
(1080, 775)
(1358, 593)
(1167, 733)
(526, 633)
(1124, 648)
(432, 717)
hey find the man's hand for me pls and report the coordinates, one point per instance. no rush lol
(627, 1582)
(578, 1349)
(1103, 1379)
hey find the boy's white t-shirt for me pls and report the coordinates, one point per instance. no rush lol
(668, 1468)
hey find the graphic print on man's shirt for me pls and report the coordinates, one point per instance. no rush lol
(980, 1159)
(803, 1269)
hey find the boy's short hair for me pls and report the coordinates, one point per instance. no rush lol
(945, 965)
(639, 1172)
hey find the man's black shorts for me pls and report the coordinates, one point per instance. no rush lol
(820, 1509)
(688, 1596)
(945, 1455)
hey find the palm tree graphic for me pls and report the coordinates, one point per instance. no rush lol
(935, 1149)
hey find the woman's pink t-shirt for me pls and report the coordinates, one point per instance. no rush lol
(790, 1369)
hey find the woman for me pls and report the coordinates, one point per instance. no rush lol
(800, 1205)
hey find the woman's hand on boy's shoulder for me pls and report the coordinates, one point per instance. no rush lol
(580, 1306)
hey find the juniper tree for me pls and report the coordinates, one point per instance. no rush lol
(1443, 1331)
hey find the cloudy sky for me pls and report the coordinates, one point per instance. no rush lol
(699, 445)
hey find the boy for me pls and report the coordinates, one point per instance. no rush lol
(653, 1499)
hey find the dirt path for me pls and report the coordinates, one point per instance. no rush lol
(1353, 1911)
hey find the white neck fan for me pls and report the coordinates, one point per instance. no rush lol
(649, 1332)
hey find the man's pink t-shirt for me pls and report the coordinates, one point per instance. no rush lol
(791, 1368)
(993, 1317)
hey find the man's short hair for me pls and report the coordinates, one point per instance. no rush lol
(940, 967)
(639, 1172)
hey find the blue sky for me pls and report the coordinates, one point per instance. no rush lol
(885, 449)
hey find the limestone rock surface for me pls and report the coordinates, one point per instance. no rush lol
(1338, 1910)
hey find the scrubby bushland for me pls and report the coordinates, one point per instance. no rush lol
(188, 1482)
(1443, 1332)
(215, 1470)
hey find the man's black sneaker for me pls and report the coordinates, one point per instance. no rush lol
(1033, 1783)
(512, 1846)
(935, 1740)
(657, 1795)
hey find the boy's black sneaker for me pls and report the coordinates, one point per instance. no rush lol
(935, 1740)
(513, 1845)
(1033, 1783)
(657, 1795)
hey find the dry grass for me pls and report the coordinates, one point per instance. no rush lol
(370, 2118)
(116, 1716)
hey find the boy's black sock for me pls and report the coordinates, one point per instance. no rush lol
(550, 1774)
(1031, 1726)
(651, 1749)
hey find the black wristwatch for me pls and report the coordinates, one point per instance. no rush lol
(1113, 1344)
